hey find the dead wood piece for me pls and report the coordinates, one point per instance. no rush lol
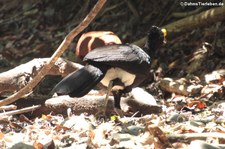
(169, 85)
(19, 111)
(172, 86)
(86, 104)
(62, 47)
(91, 103)
(192, 136)
(199, 20)
(18, 77)
(190, 23)
(9, 107)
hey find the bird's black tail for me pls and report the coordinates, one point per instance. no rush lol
(80, 82)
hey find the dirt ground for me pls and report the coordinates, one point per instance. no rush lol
(34, 29)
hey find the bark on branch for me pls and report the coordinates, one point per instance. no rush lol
(189, 23)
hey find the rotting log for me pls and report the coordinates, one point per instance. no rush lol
(18, 77)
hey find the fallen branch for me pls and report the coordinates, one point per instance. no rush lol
(18, 77)
(192, 136)
(192, 22)
(63, 46)
(169, 85)
(173, 86)
(91, 103)
(24, 110)
(9, 107)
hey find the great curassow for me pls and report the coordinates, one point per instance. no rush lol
(120, 67)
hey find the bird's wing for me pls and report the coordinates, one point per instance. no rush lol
(121, 53)
(128, 57)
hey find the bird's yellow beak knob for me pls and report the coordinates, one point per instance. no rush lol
(164, 34)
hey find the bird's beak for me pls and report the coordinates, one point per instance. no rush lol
(164, 35)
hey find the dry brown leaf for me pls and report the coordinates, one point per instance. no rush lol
(60, 127)
(1, 135)
(160, 139)
(38, 145)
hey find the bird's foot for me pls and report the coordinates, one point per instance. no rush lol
(119, 112)
(119, 120)
(101, 113)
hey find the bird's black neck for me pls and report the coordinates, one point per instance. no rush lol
(149, 49)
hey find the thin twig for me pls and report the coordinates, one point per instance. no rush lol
(19, 111)
(63, 46)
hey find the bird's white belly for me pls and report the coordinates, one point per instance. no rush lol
(114, 73)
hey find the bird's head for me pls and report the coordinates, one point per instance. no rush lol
(155, 39)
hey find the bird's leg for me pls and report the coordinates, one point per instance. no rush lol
(117, 97)
(102, 109)
(107, 96)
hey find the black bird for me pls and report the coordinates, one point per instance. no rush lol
(120, 67)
